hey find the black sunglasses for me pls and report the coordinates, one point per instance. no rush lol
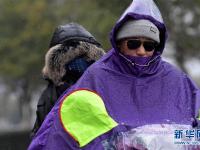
(136, 43)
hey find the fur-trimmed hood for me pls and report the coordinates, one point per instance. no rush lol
(58, 56)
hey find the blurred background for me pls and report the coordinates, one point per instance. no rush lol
(26, 27)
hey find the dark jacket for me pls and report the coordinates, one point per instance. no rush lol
(45, 103)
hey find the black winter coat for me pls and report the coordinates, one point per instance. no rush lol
(46, 102)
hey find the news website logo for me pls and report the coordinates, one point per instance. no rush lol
(187, 137)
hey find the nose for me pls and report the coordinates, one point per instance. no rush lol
(141, 51)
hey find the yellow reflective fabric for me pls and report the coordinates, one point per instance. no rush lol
(84, 116)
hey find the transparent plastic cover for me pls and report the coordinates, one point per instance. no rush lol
(151, 137)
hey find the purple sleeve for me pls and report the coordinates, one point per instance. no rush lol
(197, 106)
(195, 92)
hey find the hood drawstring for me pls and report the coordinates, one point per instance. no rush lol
(140, 65)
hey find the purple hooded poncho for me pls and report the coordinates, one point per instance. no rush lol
(134, 95)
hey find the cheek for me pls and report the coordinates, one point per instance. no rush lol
(122, 48)
(126, 51)
(150, 53)
(131, 53)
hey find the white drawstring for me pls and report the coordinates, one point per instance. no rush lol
(132, 63)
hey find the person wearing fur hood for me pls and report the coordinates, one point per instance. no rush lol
(72, 50)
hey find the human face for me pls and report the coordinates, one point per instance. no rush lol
(142, 47)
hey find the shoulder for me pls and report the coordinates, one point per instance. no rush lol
(172, 69)
(176, 74)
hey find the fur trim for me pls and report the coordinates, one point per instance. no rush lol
(58, 56)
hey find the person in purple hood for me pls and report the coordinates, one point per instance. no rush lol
(130, 98)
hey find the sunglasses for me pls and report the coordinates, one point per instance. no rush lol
(148, 45)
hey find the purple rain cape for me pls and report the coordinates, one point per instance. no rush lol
(135, 92)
